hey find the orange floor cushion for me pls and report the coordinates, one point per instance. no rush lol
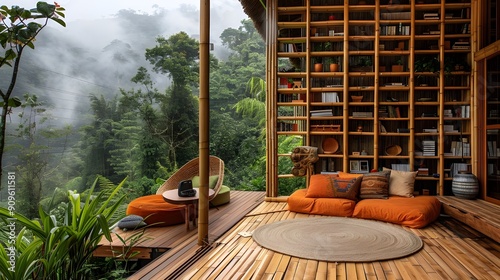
(298, 202)
(156, 211)
(415, 212)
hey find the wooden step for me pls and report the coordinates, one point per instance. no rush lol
(479, 214)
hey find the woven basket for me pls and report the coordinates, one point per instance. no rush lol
(330, 146)
(357, 98)
(393, 150)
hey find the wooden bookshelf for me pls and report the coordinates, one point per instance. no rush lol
(410, 62)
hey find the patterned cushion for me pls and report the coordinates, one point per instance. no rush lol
(325, 186)
(375, 185)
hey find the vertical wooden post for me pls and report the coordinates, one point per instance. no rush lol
(345, 108)
(204, 117)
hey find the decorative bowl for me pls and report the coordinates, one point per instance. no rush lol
(357, 98)
(330, 145)
(393, 150)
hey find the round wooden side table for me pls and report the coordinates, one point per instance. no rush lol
(172, 196)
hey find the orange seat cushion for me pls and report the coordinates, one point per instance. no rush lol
(298, 202)
(414, 212)
(156, 211)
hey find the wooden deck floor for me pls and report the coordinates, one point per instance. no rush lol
(451, 250)
(157, 240)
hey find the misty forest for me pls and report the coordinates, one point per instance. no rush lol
(110, 112)
(91, 121)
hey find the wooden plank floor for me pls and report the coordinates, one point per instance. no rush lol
(156, 240)
(451, 250)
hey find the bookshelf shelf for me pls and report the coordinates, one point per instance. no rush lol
(367, 41)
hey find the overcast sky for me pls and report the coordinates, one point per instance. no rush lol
(91, 27)
(98, 9)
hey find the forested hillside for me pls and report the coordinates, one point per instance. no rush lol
(122, 111)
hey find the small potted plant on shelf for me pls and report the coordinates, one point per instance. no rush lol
(364, 64)
(427, 64)
(333, 64)
(318, 64)
(398, 67)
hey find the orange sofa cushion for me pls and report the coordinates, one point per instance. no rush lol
(156, 211)
(415, 212)
(326, 186)
(298, 202)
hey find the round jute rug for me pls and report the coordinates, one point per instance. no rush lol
(336, 239)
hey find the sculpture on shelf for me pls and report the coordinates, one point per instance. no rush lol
(303, 158)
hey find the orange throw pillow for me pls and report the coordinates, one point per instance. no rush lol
(325, 186)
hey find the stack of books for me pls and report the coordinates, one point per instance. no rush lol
(431, 16)
(322, 113)
(362, 114)
(395, 15)
(449, 128)
(423, 171)
(461, 45)
(429, 147)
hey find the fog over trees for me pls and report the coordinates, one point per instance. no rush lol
(109, 110)
(104, 103)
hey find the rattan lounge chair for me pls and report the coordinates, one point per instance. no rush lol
(190, 170)
(156, 211)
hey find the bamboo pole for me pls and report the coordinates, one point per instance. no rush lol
(271, 115)
(345, 121)
(204, 117)
(376, 92)
(474, 94)
(441, 102)
(413, 84)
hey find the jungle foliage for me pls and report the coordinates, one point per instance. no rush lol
(66, 176)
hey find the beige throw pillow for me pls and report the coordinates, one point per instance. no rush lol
(401, 183)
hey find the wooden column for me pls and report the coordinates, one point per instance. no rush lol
(204, 117)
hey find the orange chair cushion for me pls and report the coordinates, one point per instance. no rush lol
(298, 202)
(156, 211)
(415, 212)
